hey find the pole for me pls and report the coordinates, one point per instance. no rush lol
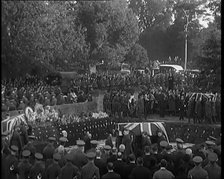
(186, 29)
(185, 61)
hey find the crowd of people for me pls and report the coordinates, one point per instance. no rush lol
(202, 108)
(24, 159)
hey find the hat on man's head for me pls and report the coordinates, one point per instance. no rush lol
(107, 147)
(212, 157)
(52, 139)
(26, 153)
(80, 143)
(209, 143)
(178, 140)
(94, 142)
(63, 139)
(164, 143)
(197, 159)
(38, 156)
(14, 148)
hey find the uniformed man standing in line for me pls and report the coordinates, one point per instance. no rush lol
(213, 169)
(49, 150)
(29, 146)
(54, 170)
(37, 171)
(12, 163)
(198, 171)
(90, 170)
(24, 166)
(78, 156)
(69, 171)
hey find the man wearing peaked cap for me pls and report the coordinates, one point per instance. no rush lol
(11, 162)
(54, 170)
(14, 148)
(25, 165)
(38, 156)
(61, 147)
(78, 156)
(38, 169)
(197, 171)
(107, 147)
(49, 149)
(52, 139)
(90, 170)
(164, 144)
(26, 153)
(213, 169)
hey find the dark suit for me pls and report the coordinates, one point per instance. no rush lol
(128, 169)
(101, 165)
(37, 169)
(118, 167)
(69, 171)
(89, 170)
(141, 172)
(48, 151)
(11, 166)
(163, 173)
(53, 171)
(24, 169)
(112, 158)
(79, 158)
(111, 175)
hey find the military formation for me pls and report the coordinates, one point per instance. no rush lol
(89, 160)
(202, 108)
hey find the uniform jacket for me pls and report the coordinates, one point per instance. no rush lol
(90, 170)
(69, 171)
(163, 173)
(141, 172)
(198, 173)
(111, 175)
(53, 171)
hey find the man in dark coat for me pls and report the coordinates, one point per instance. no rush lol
(69, 171)
(79, 158)
(140, 171)
(119, 164)
(129, 166)
(100, 163)
(198, 171)
(48, 151)
(163, 172)
(54, 170)
(24, 166)
(16, 139)
(127, 141)
(11, 164)
(90, 170)
(38, 169)
(111, 174)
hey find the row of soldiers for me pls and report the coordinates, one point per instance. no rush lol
(156, 161)
(200, 107)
